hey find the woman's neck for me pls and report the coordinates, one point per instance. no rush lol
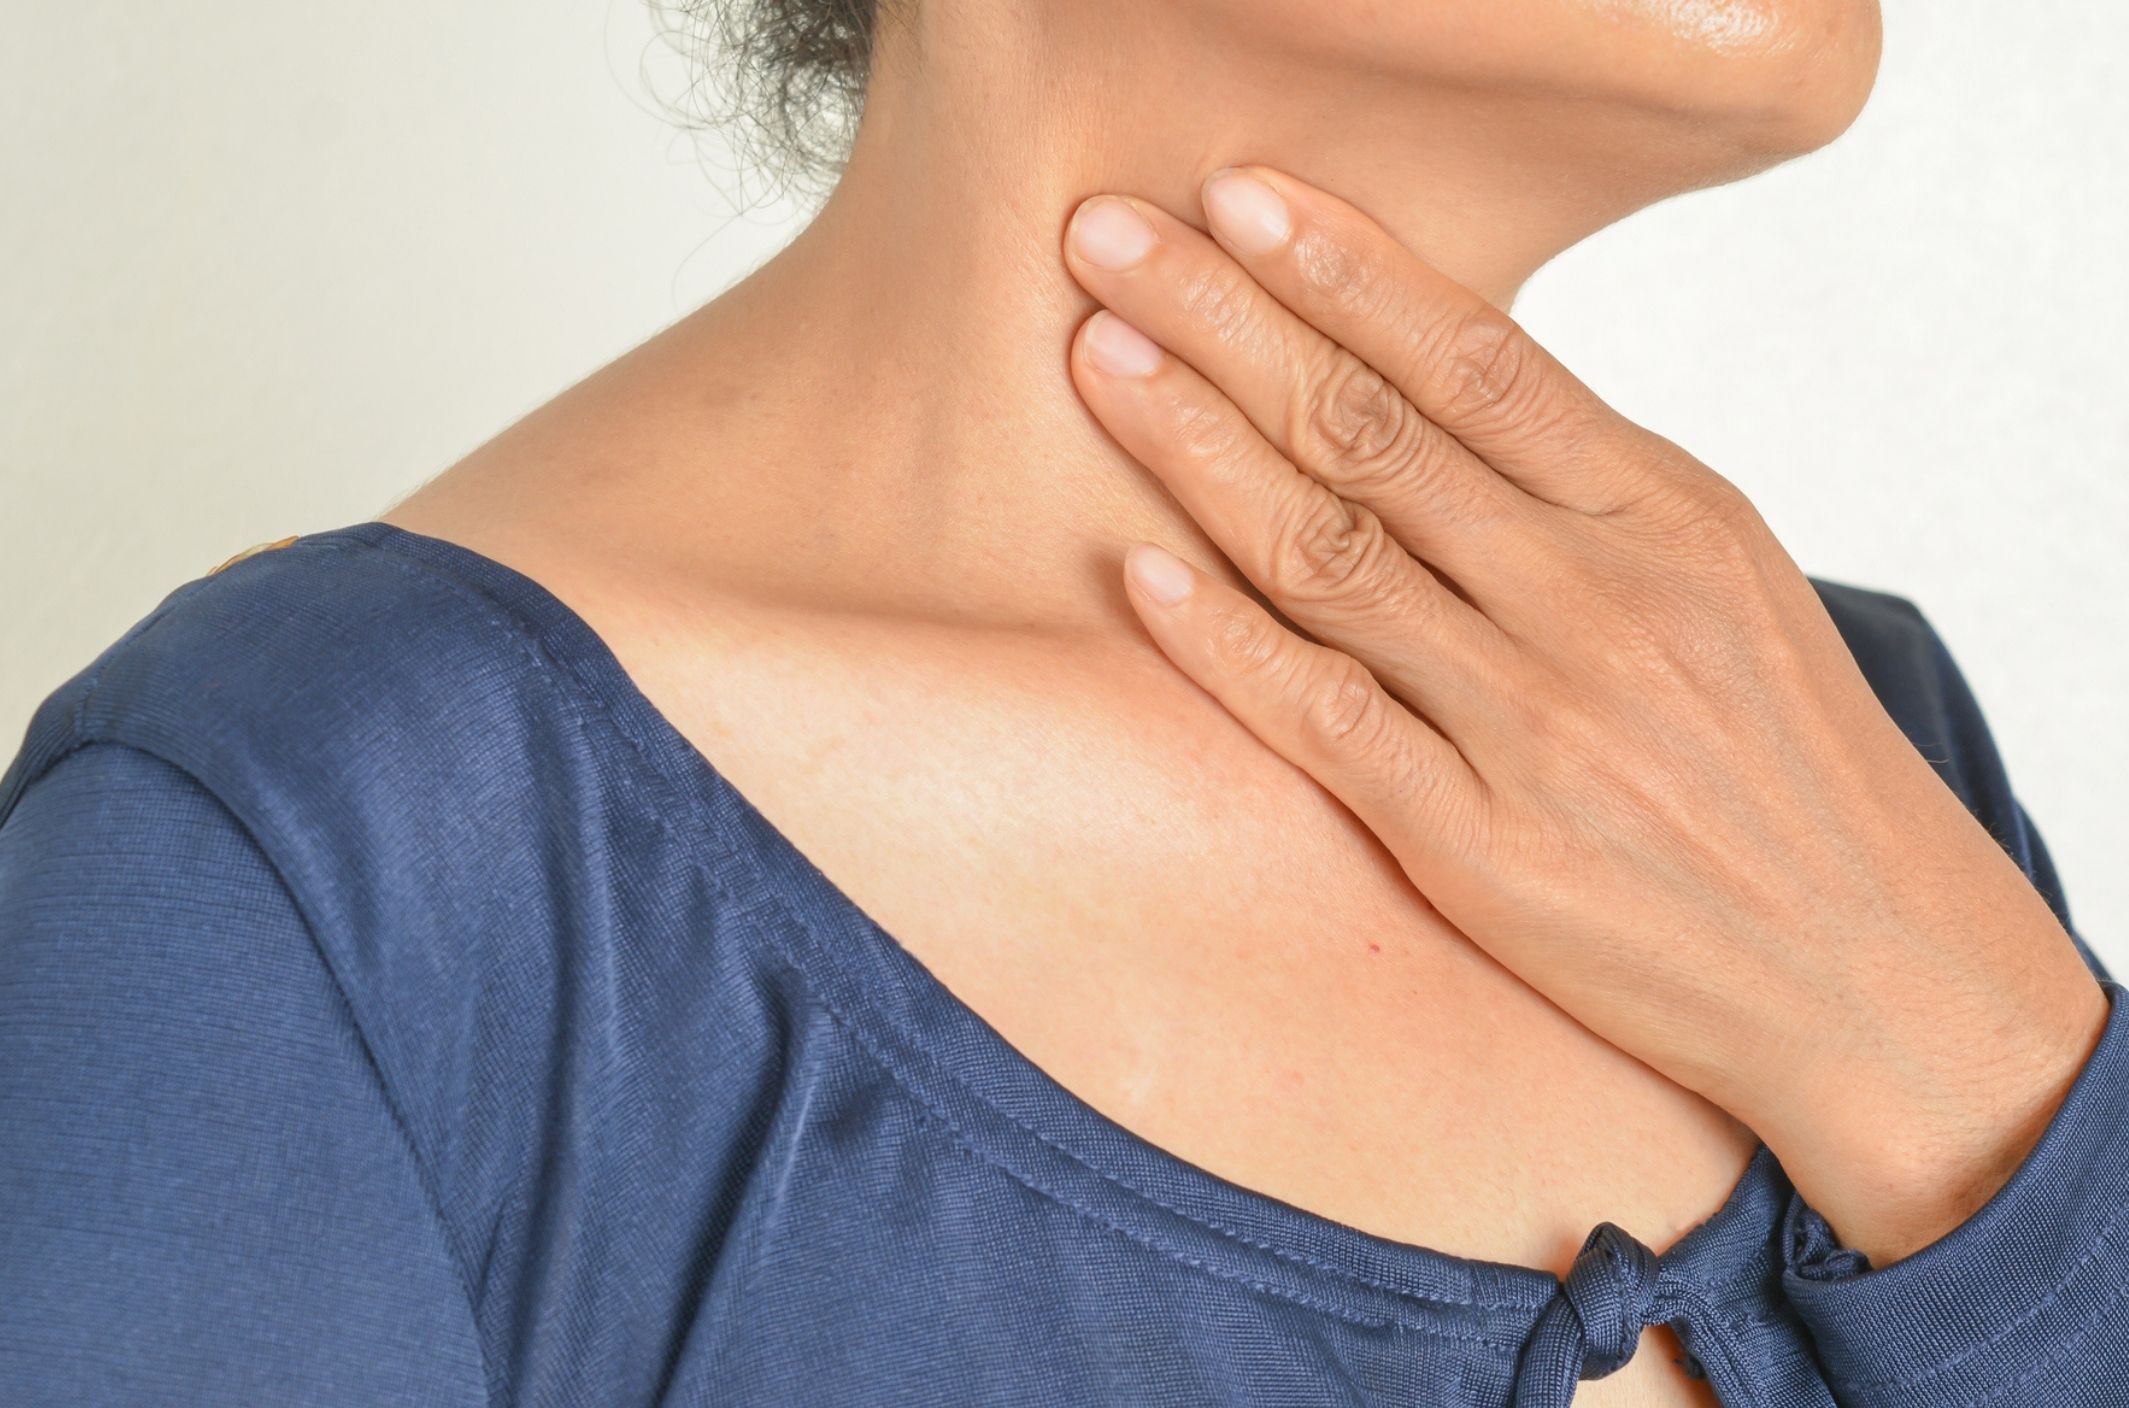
(882, 413)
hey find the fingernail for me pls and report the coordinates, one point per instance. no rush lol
(1245, 212)
(1117, 347)
(1108, 233)
(1158, 573)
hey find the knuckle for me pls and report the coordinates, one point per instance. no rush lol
(1246, 644)
(1723, 504)
(1362, 430)
(1486, 367)
(1710, 521)
(1359, 435)
(1699, 625)
(1333, 551)
(1345, 709)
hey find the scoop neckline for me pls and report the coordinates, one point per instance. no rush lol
(996, 1101)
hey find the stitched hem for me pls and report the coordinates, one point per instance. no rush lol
(584, 698)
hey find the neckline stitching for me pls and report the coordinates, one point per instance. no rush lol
(507, 616)
(529, 610)
(974, 1146)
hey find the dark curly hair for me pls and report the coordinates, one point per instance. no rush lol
(783, 80)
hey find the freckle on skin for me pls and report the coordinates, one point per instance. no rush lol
(1374, 948)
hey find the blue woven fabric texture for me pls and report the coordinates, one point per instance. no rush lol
(396, 1009)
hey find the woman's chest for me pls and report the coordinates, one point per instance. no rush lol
(1197, 943)
(1196, 940)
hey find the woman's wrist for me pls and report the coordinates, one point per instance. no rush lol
(1898, 1119)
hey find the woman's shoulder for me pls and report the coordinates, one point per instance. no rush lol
(324, 666)
(484, 835)
(411, 730)
(364, 818)
(417, 744)
(382, 730)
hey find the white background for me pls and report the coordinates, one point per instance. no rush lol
(265, 266)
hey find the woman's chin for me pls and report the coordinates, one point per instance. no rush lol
(1697, 103)
(1744, 82)
(1788, 83)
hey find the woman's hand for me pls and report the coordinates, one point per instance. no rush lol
(1567, 675)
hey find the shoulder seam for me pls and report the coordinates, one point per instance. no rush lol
(75, 734)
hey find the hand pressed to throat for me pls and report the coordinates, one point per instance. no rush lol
(1568, 676)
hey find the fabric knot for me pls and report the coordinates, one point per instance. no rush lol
(1612, 1287)
(1610, 1295)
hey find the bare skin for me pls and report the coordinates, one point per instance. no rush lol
(1658, 789)
(852, 529)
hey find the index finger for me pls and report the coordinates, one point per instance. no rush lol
(1463, 363)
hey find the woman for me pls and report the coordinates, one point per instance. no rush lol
(743, 890)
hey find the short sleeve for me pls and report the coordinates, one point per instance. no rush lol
(205, 1195)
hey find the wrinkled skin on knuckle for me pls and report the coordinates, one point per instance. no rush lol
(1344, 711)
(1364, 435)
(1370, 444)
(1485, 370)
(1723, 557)
(1684, 529)
(1334, 552)
(1696, 512)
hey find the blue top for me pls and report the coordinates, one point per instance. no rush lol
(396, 1009)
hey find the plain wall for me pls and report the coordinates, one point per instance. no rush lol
(266, 266)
